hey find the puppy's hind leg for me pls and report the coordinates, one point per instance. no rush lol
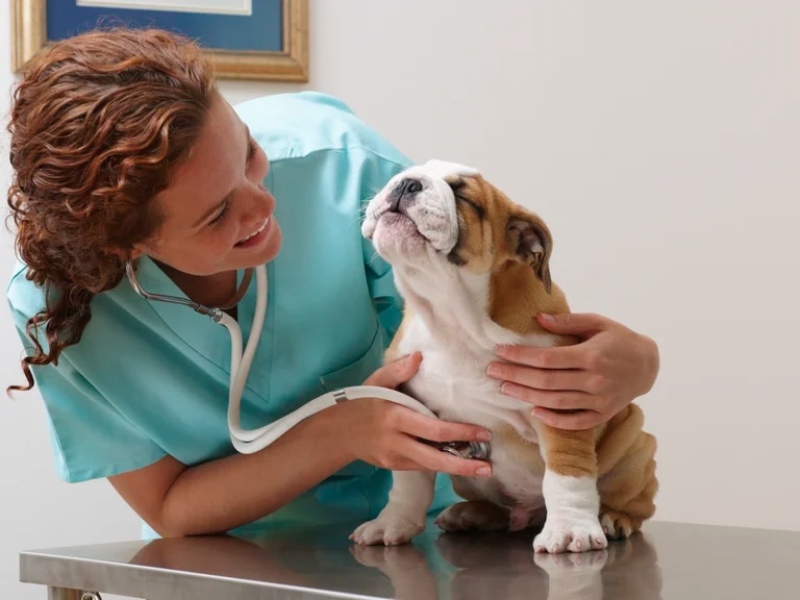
(627, 483)
(621, 519)
(476, 514)
(473, 515)
(570, 492)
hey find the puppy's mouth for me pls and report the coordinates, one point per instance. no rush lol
(400, 224)
(427, 226)
(397, 227)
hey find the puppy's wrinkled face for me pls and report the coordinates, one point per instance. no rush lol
(448, 213)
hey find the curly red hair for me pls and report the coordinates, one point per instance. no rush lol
(98, 122)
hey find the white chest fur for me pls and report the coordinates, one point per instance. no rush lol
(450, 326)
(452, 382)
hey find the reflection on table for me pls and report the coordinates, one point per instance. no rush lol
(436, 566)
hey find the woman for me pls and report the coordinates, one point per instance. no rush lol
(124, 150)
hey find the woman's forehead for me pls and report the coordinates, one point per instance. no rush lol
(210, 169)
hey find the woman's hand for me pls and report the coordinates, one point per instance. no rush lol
(387, 434)
(592, 380)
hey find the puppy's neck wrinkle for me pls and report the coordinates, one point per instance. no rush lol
(454, 308)
(516, 296)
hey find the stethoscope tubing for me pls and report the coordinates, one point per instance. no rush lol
(247, 441)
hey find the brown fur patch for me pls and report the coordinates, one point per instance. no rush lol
(487, 245)
(570, 452)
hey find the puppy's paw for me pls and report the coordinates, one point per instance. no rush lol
(472, 516)
(570, 534)
(617, 525)
(388, 529)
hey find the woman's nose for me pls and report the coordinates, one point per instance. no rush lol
(260, 202)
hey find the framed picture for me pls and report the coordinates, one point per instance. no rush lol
(245, 39)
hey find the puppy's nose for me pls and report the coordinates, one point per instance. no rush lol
(403, 191)
(410, 186)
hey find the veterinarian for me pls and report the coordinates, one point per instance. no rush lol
(123, 150)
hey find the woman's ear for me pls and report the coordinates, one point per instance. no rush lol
(125, 255)
(137, 251)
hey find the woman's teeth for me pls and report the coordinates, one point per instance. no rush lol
(255, 233)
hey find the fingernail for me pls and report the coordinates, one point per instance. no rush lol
(547, 317)
(493, 370)
(484, 436)
(483, 472)
(501, 350)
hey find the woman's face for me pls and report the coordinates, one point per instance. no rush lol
(217, 214)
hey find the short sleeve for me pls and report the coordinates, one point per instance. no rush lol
(90, 437)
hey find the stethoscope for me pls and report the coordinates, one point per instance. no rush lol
(248, 441)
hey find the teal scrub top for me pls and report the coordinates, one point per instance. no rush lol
(150, 379)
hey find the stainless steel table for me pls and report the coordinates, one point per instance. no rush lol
(666, 560)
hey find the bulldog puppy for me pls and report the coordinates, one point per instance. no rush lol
(473, 268)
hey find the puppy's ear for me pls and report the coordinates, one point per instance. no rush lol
(530, 241)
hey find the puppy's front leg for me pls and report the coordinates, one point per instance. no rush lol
(404, 515)
(570, 492)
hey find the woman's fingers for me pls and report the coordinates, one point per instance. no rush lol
(436, 430)
(561, 357)
(540, 379)
(399, 438)
(552, 400)
(432, 459)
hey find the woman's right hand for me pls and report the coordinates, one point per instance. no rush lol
(387, 434)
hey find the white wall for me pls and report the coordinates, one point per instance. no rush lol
(659, 141)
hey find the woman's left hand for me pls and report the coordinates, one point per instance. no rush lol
(593, 379)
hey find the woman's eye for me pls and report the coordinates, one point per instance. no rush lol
(252, 149)
(222, 214)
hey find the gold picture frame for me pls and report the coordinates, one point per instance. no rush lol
(29, 36)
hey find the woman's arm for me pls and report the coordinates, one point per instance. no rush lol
(222, 494)
(176, 500)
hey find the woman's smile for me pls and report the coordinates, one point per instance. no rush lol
(258, 236)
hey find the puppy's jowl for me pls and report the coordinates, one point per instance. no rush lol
(473, 268)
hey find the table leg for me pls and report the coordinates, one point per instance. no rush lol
(56, 593)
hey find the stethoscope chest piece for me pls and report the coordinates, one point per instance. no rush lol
(470, 450)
